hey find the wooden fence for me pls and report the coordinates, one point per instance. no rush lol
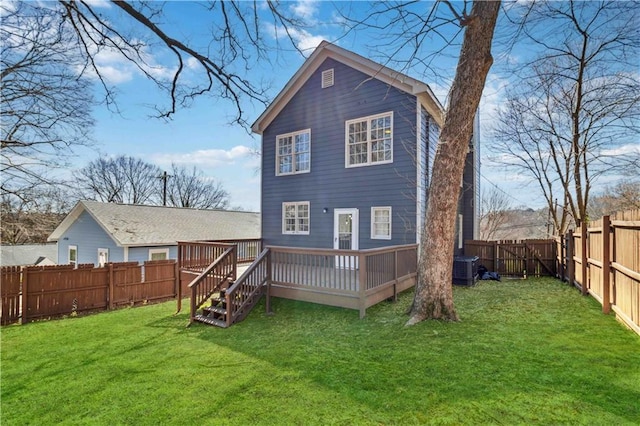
(515, 258)
(37, 292)
(603, 260)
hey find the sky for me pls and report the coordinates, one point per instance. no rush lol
(201, 134)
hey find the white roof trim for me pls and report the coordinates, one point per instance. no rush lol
(327, 50)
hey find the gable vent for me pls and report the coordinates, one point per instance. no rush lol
(327, 78)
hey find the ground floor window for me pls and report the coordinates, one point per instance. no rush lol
(295, 218)
(103, 256)
(159, 254)
(73, 255)
(381, 223)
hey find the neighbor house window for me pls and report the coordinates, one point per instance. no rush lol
(159, 254)
(103, 256)
(293, 153)
(295, 218)
(369, 140)
(73, 255)
(381, 223)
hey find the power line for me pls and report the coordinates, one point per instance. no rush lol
(502, 190)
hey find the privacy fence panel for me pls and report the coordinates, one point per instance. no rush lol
(62, 290)
(37, 292)
(515, 258)
(10, 291)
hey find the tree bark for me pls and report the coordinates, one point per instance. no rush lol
(434, 294)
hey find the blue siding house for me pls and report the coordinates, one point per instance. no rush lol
(95, 232)
(347, 152)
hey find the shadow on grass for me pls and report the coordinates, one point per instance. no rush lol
(525, 351)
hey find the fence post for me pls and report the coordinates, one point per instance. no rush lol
(606, 265)
(110, 286)
(584, 260)
(571, 266)
(495, 256)
(176, 271)
(25, 296)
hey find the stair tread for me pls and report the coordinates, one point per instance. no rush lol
(216, 309)
(210, 321)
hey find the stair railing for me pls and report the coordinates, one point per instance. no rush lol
(213, 279)
(245, 293)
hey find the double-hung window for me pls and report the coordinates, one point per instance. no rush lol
(369, 140)
(293, 153)
(295, 218)
(381, 223)
(73, 255)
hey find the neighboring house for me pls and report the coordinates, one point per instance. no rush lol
(96, 232)
(347, 153)
(29, 255)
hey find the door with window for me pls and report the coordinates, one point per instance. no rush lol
(345, 235)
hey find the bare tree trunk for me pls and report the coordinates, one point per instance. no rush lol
(434, 295)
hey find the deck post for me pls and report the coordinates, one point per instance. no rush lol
(362, 284)
(268, 295)
(192, 314)
(606, 265)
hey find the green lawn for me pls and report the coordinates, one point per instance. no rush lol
(525, 352)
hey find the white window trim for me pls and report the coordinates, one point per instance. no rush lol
(346, 141)
(72, 247)
(296, 204)
(460, 229)
(106, 251)
(156, 251)
(373, 233)
(293, 153)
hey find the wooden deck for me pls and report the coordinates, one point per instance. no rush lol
(344, 278)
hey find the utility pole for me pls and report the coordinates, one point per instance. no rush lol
(164, 178)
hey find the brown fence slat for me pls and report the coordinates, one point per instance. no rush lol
(49, 291)
(11, 277)
(515, 257)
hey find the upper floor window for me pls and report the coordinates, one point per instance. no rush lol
(381, 223)
(295, 218)
(293, 153)
(369, 140)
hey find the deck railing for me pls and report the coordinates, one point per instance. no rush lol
(248, 288)
(197, 255)
(214, 278)
(355, 279)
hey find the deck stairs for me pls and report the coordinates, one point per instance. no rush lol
(233, 301)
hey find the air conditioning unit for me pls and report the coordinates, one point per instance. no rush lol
(465, 270)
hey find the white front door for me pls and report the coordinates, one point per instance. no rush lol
(345, 234)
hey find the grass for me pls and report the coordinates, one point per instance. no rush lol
(525, 352)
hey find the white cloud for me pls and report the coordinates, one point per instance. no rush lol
(306, 10)
(630, 149)
(209, 158)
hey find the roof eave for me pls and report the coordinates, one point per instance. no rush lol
(367, 66)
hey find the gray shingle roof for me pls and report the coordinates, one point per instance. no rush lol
(28, 254)
(136, 225)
